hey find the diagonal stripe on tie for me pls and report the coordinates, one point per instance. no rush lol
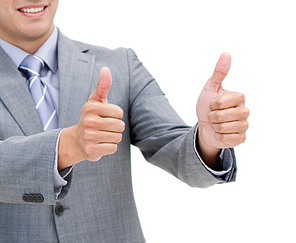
(31, 67)
(42, 97)
(49, 122)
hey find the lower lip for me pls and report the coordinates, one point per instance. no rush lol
(34, 15)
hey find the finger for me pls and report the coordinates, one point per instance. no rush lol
(229, 115)
(96, 151)
(107, 148)
(107, 125)
(227, 100)
(109, 137)
(103, 110)
(231, 127)
(103, 137)
(220, 72)
(231, 140)
(103, 86)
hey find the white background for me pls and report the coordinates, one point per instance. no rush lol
(179, 42)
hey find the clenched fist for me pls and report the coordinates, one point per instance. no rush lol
(222, 114)
(98, 131)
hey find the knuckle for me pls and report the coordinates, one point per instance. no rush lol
(119, 137)
(87, 123)
(222, 128)
(99, 123)
(241, 98)
(117, 111)
(242, 138)
(219, 128)
(246, 112)
(87, 136)
(92, 122)
(245, 126)
(219, 116)
(113, 148)
(224, 138)
(90, 107)
(89, 151)
(122, 126)
(220, 103)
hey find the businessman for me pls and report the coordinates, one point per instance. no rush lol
(69, 112)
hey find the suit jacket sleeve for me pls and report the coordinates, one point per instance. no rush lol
(27, 167)
(164, 139)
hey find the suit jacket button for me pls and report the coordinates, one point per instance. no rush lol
(26, 197)
(59, 210)
(39, 198)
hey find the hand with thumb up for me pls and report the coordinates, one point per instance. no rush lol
(98, 131)
(222, 115)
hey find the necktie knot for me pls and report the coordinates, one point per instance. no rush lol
(31, 66)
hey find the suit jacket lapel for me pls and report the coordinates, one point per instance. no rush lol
(75, 79)
(76, 69)
(15, 95)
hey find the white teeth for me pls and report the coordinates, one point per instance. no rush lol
(31, 10)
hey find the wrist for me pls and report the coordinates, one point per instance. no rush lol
(68, 151)
(208, 152)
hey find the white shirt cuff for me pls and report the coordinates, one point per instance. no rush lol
(58, 177)
(226, 159)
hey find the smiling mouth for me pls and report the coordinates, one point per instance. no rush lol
(32, 10)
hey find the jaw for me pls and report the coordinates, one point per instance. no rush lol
(27, 26)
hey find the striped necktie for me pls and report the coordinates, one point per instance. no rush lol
(31, 67)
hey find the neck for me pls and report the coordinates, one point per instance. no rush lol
(30, 47)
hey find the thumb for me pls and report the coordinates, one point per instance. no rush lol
(103, 86)
(220, 72)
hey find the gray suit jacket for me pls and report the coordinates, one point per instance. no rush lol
(97, 205)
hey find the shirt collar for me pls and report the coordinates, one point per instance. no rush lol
(48, 52)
